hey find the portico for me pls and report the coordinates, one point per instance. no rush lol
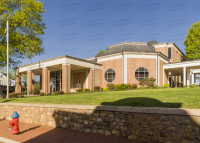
(62, 73)
(182, 73)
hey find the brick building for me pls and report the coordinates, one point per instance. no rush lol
(126, 62)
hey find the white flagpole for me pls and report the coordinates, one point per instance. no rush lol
(7, 58)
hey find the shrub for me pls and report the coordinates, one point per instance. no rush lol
(41, 94)
(105, 89)
(166, 85)
(45, 94)
(132, 86)
(155, 86)
(185, 86)
(144, 88)
(79, 90)
(91, 90)
(149, 82)
(193, 85)
(122, 86)
(96, 88)
(86, 89)
(16, 95)
(111, 86)
(101, 89)
(49, 93)
(59, 92)
(52, 93)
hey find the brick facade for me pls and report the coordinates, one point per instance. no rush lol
(133, 64)
(66, 75)
(116, 65)
(18, 81)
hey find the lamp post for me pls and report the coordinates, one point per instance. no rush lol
(7, 35)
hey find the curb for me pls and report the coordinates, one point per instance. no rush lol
(7, 140)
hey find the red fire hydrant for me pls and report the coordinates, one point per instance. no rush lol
(15, 123)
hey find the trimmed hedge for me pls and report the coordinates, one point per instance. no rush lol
(111, 86)
(97, 88)
(132, 86)
(122, 86)
(86, 90)
(79, 90)
(166, 85)
(105, 89)
(16, 95)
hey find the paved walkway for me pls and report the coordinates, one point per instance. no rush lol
(45, 134)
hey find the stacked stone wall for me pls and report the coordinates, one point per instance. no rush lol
(162, 125)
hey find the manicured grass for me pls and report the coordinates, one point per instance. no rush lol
(171, 97)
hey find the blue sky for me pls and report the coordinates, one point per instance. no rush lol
(81, 28)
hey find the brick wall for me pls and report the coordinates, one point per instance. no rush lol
(133, 64)
(116, 65)
(81, 76)
(163, 125)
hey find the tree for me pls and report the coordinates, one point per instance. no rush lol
(101, 51)
(25, 29)
(24, 80)
(11, 73)
(149, 82)
(192, 42)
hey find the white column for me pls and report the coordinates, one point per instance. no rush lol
(188, 77)
(192, 78)
(184, 76)
(163, 77)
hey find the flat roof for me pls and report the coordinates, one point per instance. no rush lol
(59, 57)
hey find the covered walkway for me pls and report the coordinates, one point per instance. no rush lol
(181, 73)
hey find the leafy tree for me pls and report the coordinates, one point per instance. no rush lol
(192, 42)
(11, 73)
(101, 51)
(25, 29)
(24, 80)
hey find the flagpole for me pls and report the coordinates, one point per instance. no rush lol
(7, 58)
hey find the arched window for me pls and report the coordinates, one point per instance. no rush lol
(141, 73)
(109, 75)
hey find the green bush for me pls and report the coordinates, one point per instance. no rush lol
(111, 86)
(185, 86)
(45, 94)
(91, 90)
(52, 93)
(86, 89)
(144, 88)
(59, 92)
(122, 86)
(132, 86)
(193, 85)
(97, 88)
(155, 86)
(105, 89)
(79, 90)
(49, 93)
(166, 85)
(41, 94)
(149, 82)
(101, 89)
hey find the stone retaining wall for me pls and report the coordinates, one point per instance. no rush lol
(162, 125)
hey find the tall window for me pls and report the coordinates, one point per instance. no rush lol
(109, 75)
(169, 52)
(141, 73)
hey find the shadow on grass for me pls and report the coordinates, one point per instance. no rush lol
(142, 102)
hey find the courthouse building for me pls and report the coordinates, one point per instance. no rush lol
(127, 62)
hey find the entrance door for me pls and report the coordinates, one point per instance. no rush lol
(53, 86)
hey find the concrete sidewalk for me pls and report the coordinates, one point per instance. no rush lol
(45, 134)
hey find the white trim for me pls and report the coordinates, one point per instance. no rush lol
(141, 56)
(181, 64)
(158, 72)
(109, 58)
(66, 64)
(72, 89)
(188, 75)
(125, 69)
(184, 76)
(87, 79)
(163, 77)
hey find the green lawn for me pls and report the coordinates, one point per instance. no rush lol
(171, 97)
